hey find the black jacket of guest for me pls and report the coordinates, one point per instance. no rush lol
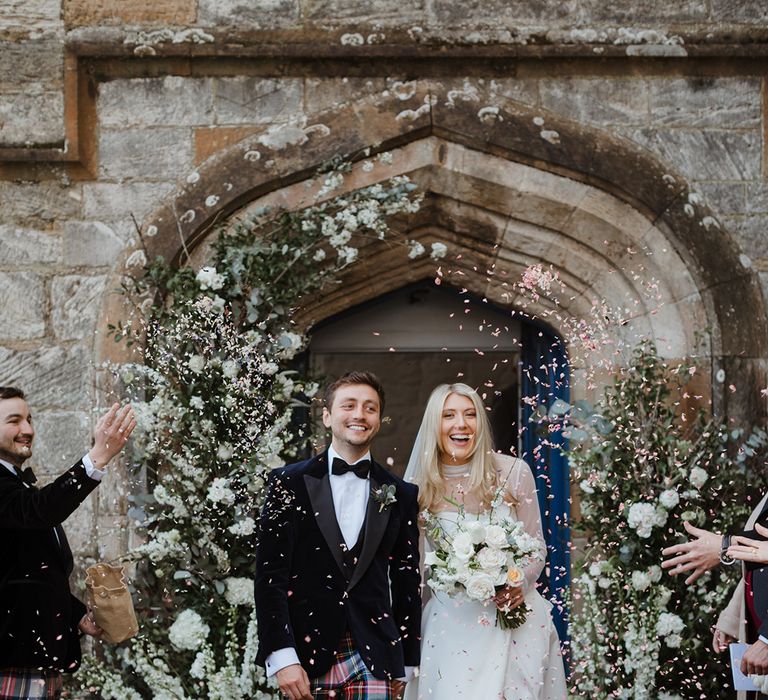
(307, 596)
(759, 574)
(38, 614)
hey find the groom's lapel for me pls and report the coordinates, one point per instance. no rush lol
(376, 521)
(320, 496)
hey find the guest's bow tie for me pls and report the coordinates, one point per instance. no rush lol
(360, 469)
(27, 476)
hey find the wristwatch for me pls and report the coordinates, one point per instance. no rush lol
(724, 558)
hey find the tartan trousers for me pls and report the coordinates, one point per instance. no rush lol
(350, 679)
(29, 684)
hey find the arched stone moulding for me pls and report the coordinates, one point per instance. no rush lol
(507, 186)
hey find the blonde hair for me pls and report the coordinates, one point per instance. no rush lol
(425, 458)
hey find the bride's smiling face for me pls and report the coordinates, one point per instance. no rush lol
(458, 427)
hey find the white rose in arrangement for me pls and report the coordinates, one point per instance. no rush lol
(491, 559)
(586, 487)
(669, 498)
(480, 587)
(604, 583)
(230, 368)
(188, 632)
(495, 536)
(196, 363)
(431, 559)
(669, 623)
(219, 492)
(197, 403)
(640, 580)
(476, 531)
(698, 477)
(642, 517)
(462, 546)
(674, 641)
(239, 591)
(655, 573)
(208, 278)
(663, 594)
(596, 568)
(462, 572)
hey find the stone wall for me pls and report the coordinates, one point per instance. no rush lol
(154, 90)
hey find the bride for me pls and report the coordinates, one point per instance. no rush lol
(463, 653)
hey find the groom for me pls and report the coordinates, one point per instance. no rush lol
(337, 564)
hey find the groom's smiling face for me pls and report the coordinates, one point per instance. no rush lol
(354, 418)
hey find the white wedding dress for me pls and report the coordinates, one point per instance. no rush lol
(465, 656)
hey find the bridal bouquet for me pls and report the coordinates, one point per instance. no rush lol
(484, 554)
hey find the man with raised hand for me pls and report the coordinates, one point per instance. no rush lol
(337, 565)
(40, 620)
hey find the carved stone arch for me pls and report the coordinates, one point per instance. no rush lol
(507, 185)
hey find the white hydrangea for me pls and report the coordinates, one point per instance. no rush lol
(189, 631)
(230, 368)
(209, 278)
(196, 363)
(224, 452)
(239, 591)
(674, 641)
(643, 517)
(669, 498)
(244, 527)
(669, 623)
(219, 492)
(698, 477)
(641, 580)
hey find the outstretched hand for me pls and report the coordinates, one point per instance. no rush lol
(747, 549)
(698, 555)
(111, 433)
(88, 626)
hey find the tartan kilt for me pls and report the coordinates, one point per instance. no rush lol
(29, 684)
(350, 679)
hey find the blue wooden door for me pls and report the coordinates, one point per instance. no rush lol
(545, 378)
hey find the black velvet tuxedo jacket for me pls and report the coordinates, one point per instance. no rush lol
(38, 614)
(304, 598)
(759, 572)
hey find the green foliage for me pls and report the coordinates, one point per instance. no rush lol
(647, 461)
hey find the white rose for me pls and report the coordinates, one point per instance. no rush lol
(698, 477)
(225, 452)
(476, 531)
(196, 363)
(462, 546)
(586, 487)
(480, 587)
(655, 573)
(669, 623)
(491, 559)
(495, 536)
(462, 572)
(669, 498)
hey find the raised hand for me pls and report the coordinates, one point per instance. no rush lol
(111, 433)
(747, 549)
(699, 554)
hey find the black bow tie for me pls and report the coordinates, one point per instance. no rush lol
(359, 469)
(27, 476)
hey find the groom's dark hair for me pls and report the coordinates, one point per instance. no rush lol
(354, 377)
(11, 392)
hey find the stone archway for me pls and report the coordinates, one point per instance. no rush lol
(506, 186)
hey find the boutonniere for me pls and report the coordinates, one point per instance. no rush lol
(384, 496)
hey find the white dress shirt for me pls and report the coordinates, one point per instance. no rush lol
(350, 499)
